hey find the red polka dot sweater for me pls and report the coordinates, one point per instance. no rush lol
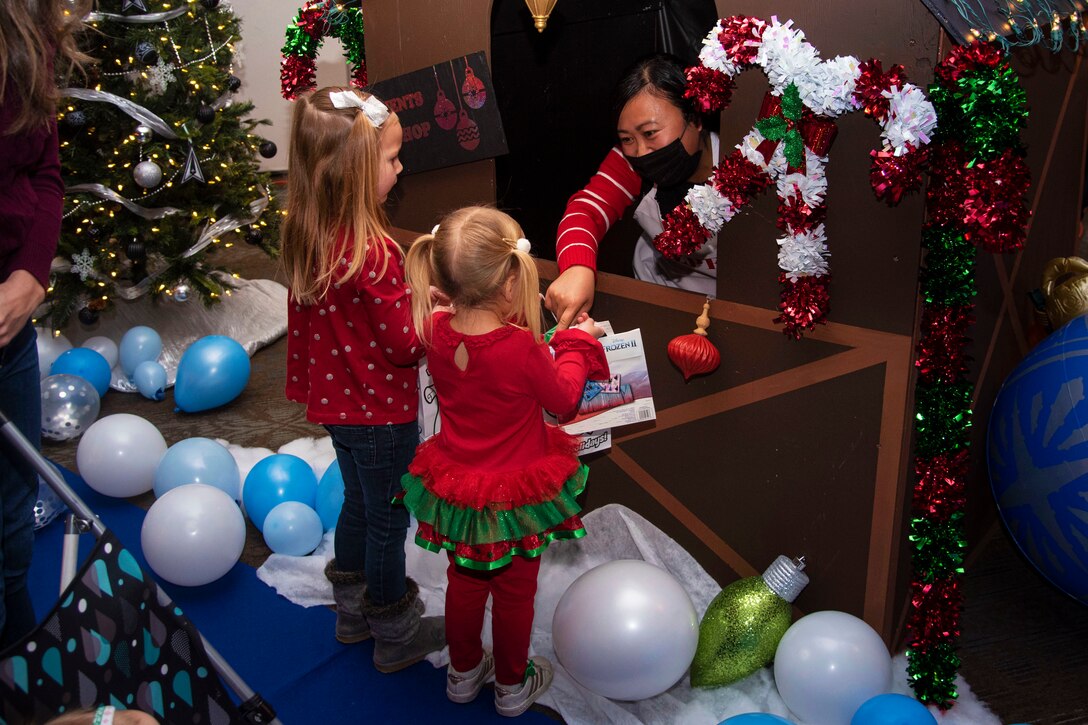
(351, 358)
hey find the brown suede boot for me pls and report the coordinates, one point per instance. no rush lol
(348, 588)
(401, 636)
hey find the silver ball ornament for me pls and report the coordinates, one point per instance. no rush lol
(142, 133)
(182, 293)
(147, 174)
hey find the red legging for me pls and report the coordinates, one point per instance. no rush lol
(513, 588)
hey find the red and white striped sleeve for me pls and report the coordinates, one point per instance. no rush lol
(593, 210)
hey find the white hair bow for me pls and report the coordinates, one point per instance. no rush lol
(376, 111)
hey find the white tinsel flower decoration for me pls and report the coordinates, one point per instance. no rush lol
(804, 254)
(911, 118)
(712, 209)
(811, 186)
(713, 55)
(829, 91)
(785, 56)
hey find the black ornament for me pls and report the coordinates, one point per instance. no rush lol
(234, 83)
(145, 53)
(254, 235)
(75, 119)
(88, 316)
(210, 4)
(205, 114)
(135, 250)
(267, 149)
(93, 231)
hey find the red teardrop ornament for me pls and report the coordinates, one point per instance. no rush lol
(693, 353)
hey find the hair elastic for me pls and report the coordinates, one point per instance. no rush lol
(521, 244)
(375, 111)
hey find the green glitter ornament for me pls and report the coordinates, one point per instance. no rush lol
(744, 623)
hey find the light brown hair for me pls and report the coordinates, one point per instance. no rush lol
(469, 258)
(37, 41)
(332, 189)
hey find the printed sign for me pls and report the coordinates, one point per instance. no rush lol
(448, 112)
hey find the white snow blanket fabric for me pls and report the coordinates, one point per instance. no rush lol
(614, 532)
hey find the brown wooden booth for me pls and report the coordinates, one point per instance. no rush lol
(792, 447)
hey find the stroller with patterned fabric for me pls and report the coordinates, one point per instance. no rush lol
(114, 637)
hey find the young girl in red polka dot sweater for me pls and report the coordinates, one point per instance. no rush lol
(496, 485)
(352, 355)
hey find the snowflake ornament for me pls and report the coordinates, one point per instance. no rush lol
(158, 77)
(83, 264)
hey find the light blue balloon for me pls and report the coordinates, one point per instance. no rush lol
(756, 718)
(87, 364)
(213, 371)
(275, 479)
(330, 495)
(292, 528)
(138, 345)
(150, 379)
(198, 460)
(892, 709)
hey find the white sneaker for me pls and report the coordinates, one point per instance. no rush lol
(462, 687)
(512, 701)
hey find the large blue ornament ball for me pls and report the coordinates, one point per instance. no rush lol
(892, 709)
(1037, 448)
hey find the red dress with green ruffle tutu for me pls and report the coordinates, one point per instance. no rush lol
(497, 481)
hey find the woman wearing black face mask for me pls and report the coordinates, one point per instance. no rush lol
(664, 144)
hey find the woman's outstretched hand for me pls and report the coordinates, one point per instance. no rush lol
(571, 295)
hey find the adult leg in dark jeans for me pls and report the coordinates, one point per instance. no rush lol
(20, 397)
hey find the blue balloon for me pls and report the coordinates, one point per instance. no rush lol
(756, 718)
(330, 495)
(292, 528)
(275, 479)
(150, 379)
(198, 460)
(138, 345)
(1038, 460)
(85, 363)
(892, 709)
(213, 371)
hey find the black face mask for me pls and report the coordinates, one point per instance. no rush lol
(668, 165)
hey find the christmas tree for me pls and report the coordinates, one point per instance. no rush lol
(159, 160)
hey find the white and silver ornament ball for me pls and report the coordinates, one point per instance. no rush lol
(142, 133)
(147, 174)
(182, 293)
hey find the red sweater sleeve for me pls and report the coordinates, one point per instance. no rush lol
(557, 384)
(591, 211)
(389, 299)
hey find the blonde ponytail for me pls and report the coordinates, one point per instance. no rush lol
(420, 273)
(526, 302)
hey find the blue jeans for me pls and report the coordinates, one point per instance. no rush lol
(371, 530)
(20, 399)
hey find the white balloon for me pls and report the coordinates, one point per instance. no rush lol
(119, 453)
(193, 534)
(50, 347)
(104, 346)
(829, 663)
(626, 630)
